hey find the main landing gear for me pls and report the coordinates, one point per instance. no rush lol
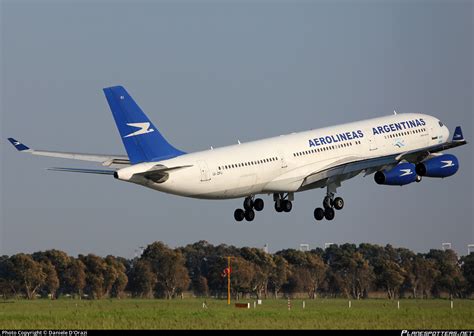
(283, 202)
(250, 206)
(329, 204)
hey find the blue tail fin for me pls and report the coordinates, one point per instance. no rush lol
(142, 140)
(18, 145)
(457, 136)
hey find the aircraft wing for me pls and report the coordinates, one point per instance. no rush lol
(118, 161)
(341, 171)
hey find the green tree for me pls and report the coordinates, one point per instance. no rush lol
(51, 281)
(299, 280)
(241, 276)
(75, 277)
(61, 261)
(197, 258)
(349, 272)
(264, 265)
(467, 269)
(9, 286)
(96, 276)
(200, 286)
(116, 279)
(28, 273)
(279, 274)
(362, 276)
(168, 265)
(424, 275)
(450, 278)
(317, 272)
(391, 277)
(142, 279)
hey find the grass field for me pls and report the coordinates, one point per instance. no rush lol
(272, 314)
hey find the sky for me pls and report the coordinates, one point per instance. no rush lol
(210, 73)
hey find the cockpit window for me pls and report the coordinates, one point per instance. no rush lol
(440, 123)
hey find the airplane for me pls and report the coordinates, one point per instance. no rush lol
(398, 149)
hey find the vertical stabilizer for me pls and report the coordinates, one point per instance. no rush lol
(142, 140)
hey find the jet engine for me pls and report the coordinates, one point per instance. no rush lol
(439, 166)
(401, 174)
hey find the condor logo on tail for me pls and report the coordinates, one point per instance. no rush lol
(143, 129)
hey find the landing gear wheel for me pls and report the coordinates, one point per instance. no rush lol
(329, 213)
(278, 208)
(248, 203)
(239, 215)
(418, 179)
(258, 204)
(286, 205)
(327, 202)
(338, 203)
(318, 214)
(249, 215)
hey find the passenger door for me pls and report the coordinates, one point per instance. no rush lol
(205, 175)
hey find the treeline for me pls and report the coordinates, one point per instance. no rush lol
(200, 268)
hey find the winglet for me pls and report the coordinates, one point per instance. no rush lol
(18, 145)
(457, 136)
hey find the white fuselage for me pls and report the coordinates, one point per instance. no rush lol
(281, 164)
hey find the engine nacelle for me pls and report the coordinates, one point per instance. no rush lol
(402, 174)
(439, 166)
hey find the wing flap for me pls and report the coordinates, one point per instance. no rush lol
(346, 170)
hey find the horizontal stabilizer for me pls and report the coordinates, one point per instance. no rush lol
(108, 160)
(86, 171)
